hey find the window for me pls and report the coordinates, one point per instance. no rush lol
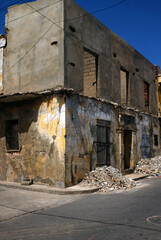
(124, 76)
(12, 140)
(90, 73)
(156, 140)
(103, 142)
(146, 96)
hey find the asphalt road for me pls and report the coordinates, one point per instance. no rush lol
(114, 216)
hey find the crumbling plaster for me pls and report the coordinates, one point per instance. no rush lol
(41, 140)
(33, 63)
(81, 135)
(58, 137)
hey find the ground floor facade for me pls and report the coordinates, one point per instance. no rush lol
(57, 138)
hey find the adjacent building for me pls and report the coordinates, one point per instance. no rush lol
(74, 96)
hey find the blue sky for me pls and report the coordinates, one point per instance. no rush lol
(136, 21)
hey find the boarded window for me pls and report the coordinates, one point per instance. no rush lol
(103, 142)
(156, 140)
(90, 73)
(146, 96)
(12, 140)
(124, 76)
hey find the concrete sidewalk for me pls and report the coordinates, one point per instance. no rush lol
(77, 189)
(136, 176)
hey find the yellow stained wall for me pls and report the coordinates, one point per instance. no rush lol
(41, 138)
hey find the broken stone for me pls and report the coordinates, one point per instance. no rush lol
(107, 179)
(149, 166)
(27, 182)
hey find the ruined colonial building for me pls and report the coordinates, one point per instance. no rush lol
(74, 96)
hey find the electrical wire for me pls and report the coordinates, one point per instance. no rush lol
(7, 6)
(70, 19)
(31, 12)
(54, 23)
(94, 12)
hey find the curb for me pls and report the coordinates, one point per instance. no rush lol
(136, 176)
(38, 188)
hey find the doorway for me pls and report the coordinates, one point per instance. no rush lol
(127, 148)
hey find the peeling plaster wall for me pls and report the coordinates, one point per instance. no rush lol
(81, 135)
(58, 137)
(147, 127)
(41, 140)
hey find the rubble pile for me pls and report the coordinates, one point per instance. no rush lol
(149, 166)
(107, 179)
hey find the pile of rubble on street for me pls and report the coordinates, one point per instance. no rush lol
(107, 179)
(149, 166)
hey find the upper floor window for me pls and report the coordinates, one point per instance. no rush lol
(124, 79)
(90, 73)
(146, 96)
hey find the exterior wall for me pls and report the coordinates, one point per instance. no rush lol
(33, 62)
(58, 138)
(158, 76)
(41, 139)
(81, 135)
(81, 153)
(113, 54)
(1, 70)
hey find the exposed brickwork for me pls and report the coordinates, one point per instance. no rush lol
(90, 74)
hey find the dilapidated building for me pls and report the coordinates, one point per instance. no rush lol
(74, 95)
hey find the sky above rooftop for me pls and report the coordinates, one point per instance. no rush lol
(136, 21)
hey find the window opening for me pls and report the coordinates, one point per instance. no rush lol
(12, 139)
(146, 96)
(127, 148)
(90, 73)
(124, 76)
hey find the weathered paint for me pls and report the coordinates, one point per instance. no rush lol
(44, 65)
(58, 138)
(81, 130)
(41, 139)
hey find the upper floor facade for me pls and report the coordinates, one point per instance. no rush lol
(53, 44)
